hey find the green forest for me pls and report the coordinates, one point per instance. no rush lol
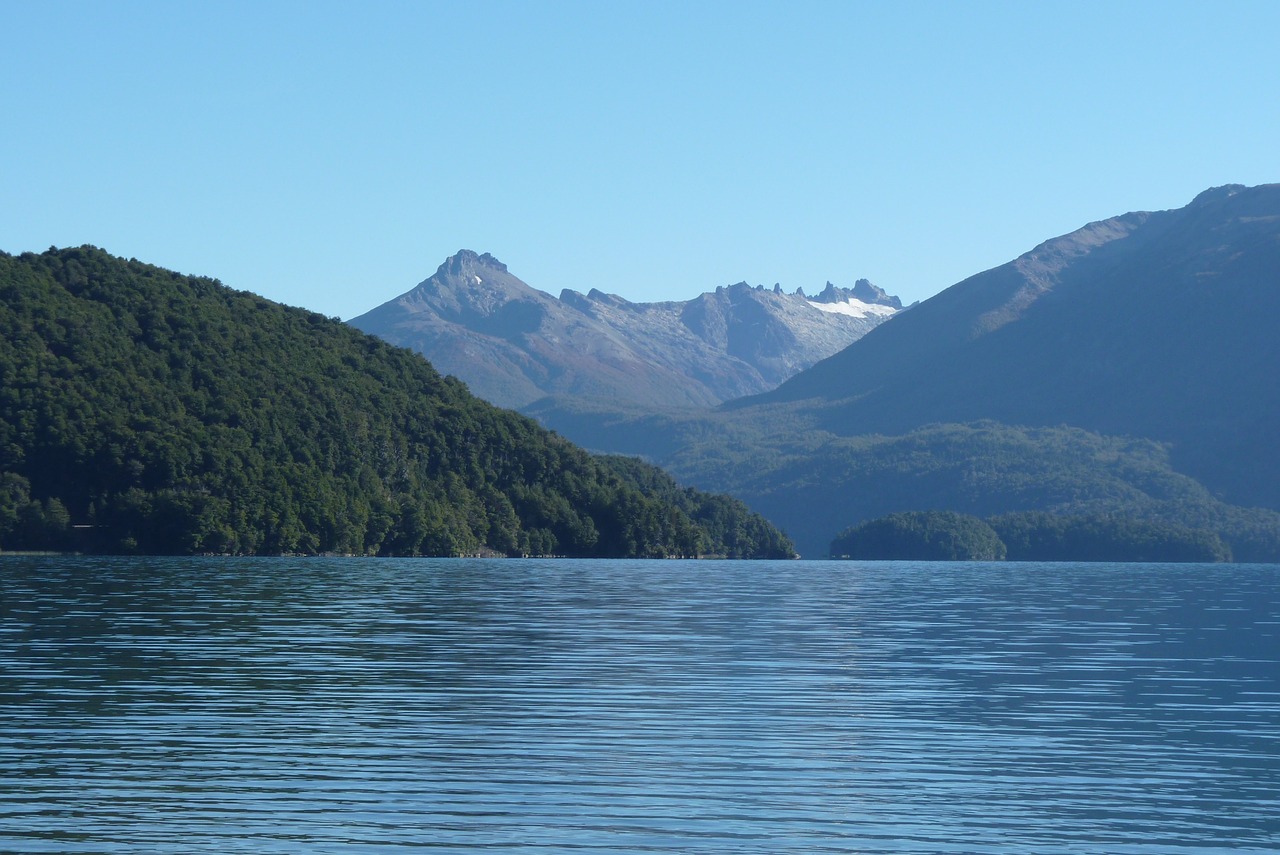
(815, 484)
(1026, 536)
(920, 536)
(142, 410)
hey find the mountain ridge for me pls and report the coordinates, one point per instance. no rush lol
(1151, 326)
(514, 344)
(1158, 325)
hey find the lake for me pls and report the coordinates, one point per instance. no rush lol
(351, 705)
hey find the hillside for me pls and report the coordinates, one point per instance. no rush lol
(814, 483)
(1158, 325)
(514, 345)
(1128, 368)
(143, 410)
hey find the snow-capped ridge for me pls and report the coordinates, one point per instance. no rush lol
(514, 344)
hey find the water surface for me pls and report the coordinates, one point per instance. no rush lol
(317, 705)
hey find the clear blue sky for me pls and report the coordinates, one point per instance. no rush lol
(331, 155)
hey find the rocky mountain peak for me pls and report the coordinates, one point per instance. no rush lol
(831, 294)
(862, 290)
(867, 292)
(735, 288)
(516, 345)
(598, 296)
(465, 261)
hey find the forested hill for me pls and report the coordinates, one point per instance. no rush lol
(144, 410)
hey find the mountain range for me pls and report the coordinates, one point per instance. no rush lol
(1124, 371)
(1129, 367)
(1160, 325)
(514, 345)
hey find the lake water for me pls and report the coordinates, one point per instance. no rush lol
(348, 705)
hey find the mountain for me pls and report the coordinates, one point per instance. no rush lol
(146, 411)
(1128, 368)
(1159, 325)
(513, 344)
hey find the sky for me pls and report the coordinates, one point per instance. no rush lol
(332, 155)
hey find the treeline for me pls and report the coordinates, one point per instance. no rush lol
(1027, 536)
(146, 411)
(726, 530)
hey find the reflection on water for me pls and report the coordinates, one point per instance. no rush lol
(313, 705)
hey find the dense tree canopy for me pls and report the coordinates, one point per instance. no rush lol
(1037, 536)
(1026, 536)
(815, 484)
(143, 410)
(920, 536)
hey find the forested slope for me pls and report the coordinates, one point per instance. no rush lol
(144, 410)
(815, 484)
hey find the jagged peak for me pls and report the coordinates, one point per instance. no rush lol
(465, 259)
(868, 292)
(598, 296)
(862, 290)
(576, 299)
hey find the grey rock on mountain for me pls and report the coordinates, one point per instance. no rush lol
(513, 344)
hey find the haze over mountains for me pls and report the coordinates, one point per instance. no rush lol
(1132, 367)
(1160, 325)
(514, 345)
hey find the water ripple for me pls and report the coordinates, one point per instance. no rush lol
(278, 705)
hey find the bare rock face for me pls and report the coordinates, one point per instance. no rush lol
(514, 345)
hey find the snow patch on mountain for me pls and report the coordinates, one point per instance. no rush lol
(514, 345)
(854, 308)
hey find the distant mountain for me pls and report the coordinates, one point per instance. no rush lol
(1128, 368)
(513, 344)
(146, 411)
(1160, 325)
